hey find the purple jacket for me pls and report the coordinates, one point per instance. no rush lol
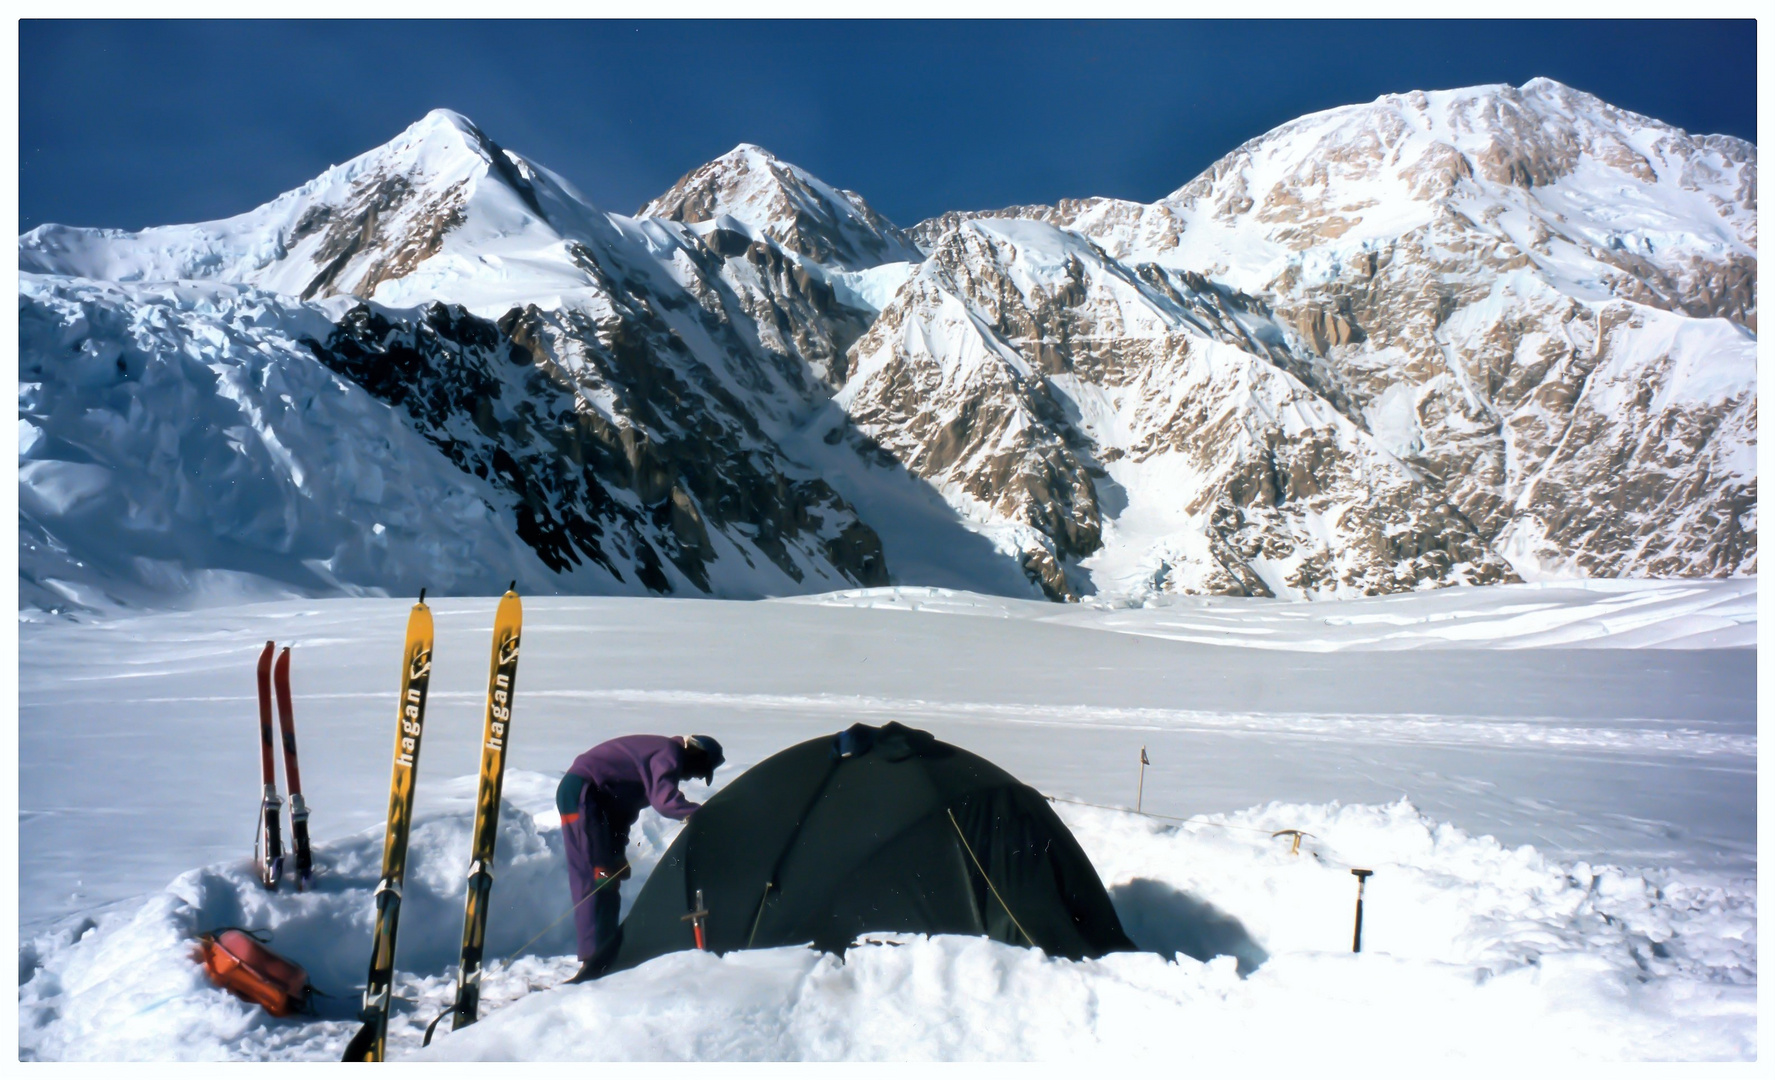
(633, 772)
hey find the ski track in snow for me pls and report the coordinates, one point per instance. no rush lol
(1563, 839)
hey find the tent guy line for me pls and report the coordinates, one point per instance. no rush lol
(565, 915)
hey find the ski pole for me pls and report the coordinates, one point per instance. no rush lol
(1361, 885)
(1140, 792)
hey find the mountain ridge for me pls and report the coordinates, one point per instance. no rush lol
(1383, 346)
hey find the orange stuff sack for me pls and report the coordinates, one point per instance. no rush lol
(239, 963)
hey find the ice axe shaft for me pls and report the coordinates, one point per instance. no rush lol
(1361, 886)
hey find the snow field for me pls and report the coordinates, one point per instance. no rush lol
(1611, 755)
(1463, 938)
(1574, 865)
(1695, 613)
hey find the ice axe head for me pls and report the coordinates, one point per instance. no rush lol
(1296, 834)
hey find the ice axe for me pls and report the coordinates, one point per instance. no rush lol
(1361, 885)
(1140, 792)
(1296, 834)
(695, 919)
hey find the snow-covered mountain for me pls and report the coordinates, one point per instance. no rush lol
(592, 382)
(1541, 307)
(1462, 336)
(750, 191)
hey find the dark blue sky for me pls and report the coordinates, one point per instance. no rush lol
(133, 124)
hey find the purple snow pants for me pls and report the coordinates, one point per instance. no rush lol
(593, 851)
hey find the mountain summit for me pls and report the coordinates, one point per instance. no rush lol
(437, 189)
(1441, 338)
(791, 206)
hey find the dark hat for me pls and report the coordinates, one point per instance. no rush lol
(710, 749)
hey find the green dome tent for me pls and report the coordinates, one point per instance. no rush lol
(872, 830)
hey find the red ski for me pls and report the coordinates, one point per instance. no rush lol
(268, 851)
(286, 719)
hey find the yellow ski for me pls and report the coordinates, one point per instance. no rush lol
(369, 1043)
(502, 677)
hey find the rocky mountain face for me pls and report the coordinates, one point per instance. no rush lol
(1542, 306)
(1453, 337)
(1109, 410)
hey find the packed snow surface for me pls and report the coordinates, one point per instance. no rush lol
(1563, 839)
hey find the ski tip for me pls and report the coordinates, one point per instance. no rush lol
(421, 597)
(513, 587)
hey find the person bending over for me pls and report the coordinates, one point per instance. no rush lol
(600, 797)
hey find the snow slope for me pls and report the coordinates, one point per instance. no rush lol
(1564, 839)
(179, 444)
